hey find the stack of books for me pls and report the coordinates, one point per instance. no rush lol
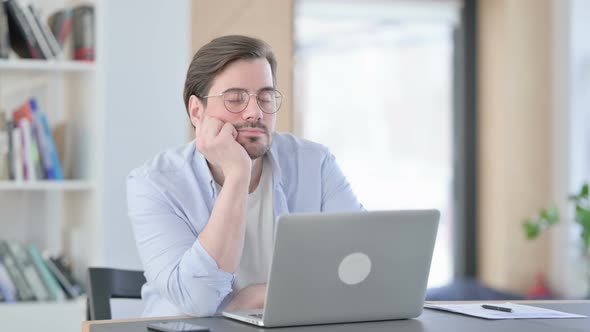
(27, 146)
(28, 275)
(23, 30)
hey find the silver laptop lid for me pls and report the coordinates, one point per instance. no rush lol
(347, 267)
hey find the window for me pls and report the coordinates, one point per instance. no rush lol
(374, 83)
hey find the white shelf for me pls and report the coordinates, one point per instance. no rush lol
(46, 65)
(43, 316)
(46, 185)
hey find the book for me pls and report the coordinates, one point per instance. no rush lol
(72, 288)
(56, 165)
(36, 29)
(27, 267)
(16, 154)
(30, 174)
(44, 139)
(51, 283)
(4, 34)
(83, 33)
(23, 116)
(47, 34)
(7, 288)
(60, 24)
(22, 39)
(24, 292)
(4, 147)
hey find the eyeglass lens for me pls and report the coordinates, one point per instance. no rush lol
(237, 101)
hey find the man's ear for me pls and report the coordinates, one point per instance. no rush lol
(196, 109)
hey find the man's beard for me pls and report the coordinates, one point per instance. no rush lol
(253, 149)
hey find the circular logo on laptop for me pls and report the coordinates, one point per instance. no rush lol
(354, 268)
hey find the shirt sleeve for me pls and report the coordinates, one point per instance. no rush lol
(337, 194)
(174, 260)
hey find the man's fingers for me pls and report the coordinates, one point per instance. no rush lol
(229, 129)
(210, 126)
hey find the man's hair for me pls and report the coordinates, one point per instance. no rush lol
(212, 58)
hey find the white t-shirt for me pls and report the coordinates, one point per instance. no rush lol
(256, 256)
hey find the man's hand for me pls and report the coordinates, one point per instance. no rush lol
(217, 142)
(251, 297)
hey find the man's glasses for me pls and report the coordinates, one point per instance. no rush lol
(236, 100)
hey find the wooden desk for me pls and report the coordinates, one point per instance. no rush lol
(429, 321)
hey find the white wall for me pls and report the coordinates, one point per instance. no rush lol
(144, 53)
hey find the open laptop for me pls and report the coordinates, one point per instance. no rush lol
(347, 267)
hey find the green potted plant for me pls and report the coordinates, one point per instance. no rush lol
(550, 216)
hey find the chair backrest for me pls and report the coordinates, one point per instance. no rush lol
(106, 284)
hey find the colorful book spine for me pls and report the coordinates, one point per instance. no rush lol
(17, 154)
(69, 284)
(4, 147)
(42, 138)
(4, 34)
(47, 34)
(56, 164)
(27, 267)
(27, 144)
(60, 24)
(55, 290)
(37, 33)
(21, 35)
(7, 287)
(24, 292)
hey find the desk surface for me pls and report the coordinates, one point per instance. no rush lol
(429, 321)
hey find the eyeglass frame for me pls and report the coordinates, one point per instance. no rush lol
(248, 102)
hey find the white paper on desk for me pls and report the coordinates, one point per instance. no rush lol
(518, 311)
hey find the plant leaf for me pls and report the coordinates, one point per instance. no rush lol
(543, 214)
(586, 239)
(531, 229)
(584, 191)
(583, 218)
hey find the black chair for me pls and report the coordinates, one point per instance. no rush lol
(105, 284)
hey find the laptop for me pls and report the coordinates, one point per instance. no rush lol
(347, 267)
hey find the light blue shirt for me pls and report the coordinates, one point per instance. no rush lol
(170, 199)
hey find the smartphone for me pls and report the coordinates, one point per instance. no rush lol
(177, 327)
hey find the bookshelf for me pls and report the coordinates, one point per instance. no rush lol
(59, 216)
(43, 316)
(34, 65)
(47, 185)
(121, 110)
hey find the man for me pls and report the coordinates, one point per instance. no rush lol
(203, 214)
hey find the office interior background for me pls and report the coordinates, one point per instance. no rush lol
(479, 108)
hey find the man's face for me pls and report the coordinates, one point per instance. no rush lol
(254, 127)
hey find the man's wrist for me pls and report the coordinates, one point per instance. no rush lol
(237, 180)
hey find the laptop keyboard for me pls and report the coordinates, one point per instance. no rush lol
(256, 315)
